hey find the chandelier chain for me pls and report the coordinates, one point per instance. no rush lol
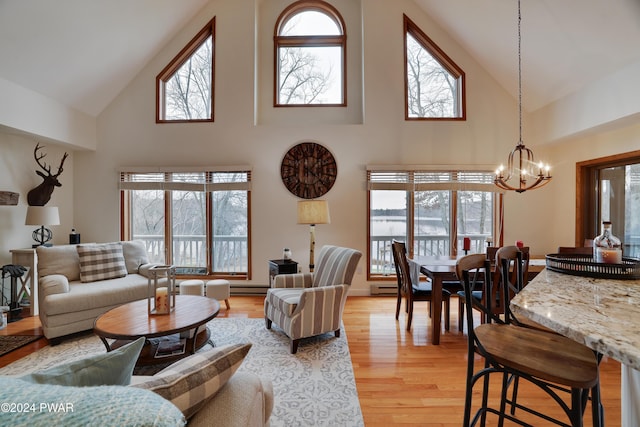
(520, 163)
(519, 74)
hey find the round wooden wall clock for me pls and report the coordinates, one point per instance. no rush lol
(308, 170)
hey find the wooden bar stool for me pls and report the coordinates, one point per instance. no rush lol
(550, 361)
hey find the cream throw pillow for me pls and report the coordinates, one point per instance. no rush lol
(135, 255)
(61, 259)
(193, 381)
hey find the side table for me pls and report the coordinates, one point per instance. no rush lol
(281, 266)
(28, 282)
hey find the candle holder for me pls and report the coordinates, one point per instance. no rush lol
(161, 289)
(466, 245)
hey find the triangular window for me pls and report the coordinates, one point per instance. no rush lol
(434, 84)
(185, 86)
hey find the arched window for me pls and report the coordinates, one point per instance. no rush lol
(184, 89)
(434, 84)
(310, 56)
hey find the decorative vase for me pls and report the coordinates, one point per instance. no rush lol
(607, 248)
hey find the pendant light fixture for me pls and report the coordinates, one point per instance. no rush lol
(521, 167)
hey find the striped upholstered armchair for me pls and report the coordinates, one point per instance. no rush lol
(308, 304)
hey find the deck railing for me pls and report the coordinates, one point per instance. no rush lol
(230, 253)
(382, 258)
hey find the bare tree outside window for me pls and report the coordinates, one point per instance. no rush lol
(188, 92)
(310, 47)
(434, 84)
(147, 221)
(431, 89)
(306, 77)
(178, 227)
(184, 88)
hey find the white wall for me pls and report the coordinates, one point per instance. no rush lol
(128, 135)
(38, 115)
(245, 132)
(17, 174)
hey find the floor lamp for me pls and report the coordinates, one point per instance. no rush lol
(42, 215)
(313, 212)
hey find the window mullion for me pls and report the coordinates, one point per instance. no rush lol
(209, 230)
(453, 223)
(411, 222)
(168, 232)
(301, 41)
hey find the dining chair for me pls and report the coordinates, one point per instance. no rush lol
(575, 250)
(543, 359)
(478, 293)
(514, 278)
(410, 291)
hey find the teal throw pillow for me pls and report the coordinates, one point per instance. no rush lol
(111, 368)
(45, 405)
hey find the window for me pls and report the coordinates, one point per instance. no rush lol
(608, 189)
(196, 219)
(434, 84)
(310, 56)
(432, 211)
(185, 87)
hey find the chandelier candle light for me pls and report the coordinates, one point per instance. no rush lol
(313, 212)
(521, 163)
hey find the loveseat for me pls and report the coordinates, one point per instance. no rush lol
(203, 389)
(78, 283)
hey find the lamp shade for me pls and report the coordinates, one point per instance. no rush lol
(42, 215)
(313, 212)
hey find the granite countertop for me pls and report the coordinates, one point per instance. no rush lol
(603, 314)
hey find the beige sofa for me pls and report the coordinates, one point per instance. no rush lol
(68, 302)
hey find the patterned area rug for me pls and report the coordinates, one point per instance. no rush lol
(314, 387)
(12, 342)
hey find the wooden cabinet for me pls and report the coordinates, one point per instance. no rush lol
(281, 266)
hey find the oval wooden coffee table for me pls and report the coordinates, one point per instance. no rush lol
(131, 321)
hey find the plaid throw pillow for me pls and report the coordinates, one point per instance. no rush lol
(101, 262)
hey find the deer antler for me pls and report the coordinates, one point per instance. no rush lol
(61, 163)
(38, 158)
(43, 165)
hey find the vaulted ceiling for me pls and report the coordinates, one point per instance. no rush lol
(82, 53)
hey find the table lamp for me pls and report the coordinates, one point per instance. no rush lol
(313, 212)
(42, 215)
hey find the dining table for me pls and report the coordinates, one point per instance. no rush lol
(601, 313)
(441, 268)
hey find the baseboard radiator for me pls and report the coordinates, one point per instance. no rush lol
(385, 288)
(249, 289)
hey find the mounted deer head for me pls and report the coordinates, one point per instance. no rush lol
(40, 195)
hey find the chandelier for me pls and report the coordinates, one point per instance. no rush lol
(521, 164)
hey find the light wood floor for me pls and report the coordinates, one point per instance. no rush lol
(402, 379)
